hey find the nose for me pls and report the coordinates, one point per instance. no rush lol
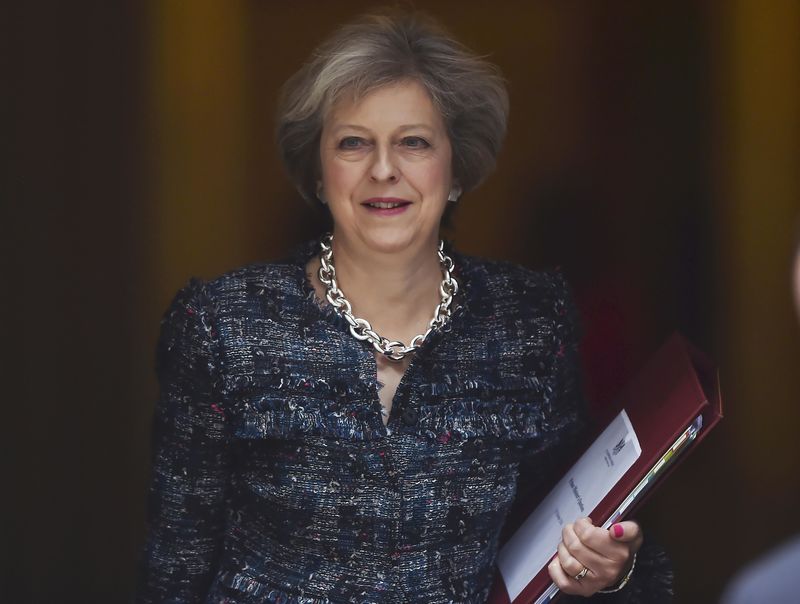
(383, 168)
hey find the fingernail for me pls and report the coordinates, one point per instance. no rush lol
(618, 530)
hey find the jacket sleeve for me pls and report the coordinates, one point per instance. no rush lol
(566, 432)
(552, 342)
(190, 457)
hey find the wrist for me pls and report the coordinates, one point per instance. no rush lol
(622, 582)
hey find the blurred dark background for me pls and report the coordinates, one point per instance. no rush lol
(653, 153)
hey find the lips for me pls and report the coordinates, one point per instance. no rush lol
(386, 203)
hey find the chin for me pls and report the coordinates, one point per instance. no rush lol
(393, 241)
(389, 243)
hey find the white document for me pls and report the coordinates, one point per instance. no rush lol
(575, 496)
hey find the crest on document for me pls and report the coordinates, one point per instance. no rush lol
(618, 447)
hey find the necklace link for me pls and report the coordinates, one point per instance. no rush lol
(361, 329)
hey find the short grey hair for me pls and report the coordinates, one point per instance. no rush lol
(382, 49)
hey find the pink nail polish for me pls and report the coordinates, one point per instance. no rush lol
(618, 530)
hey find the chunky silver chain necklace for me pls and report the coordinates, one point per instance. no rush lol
(361, 328)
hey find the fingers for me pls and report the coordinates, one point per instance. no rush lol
(628, 531)
(569, 563)
(566, 583)
(605, 553)
(574, 554)
(589, 543)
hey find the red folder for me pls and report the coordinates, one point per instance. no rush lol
(677, 385)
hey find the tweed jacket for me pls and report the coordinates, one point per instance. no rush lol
(275, 480)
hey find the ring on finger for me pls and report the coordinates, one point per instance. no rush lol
(581, 574)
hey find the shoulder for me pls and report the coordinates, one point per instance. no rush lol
(521, 319)
(238, 289)
(516, 287)
(533, 308)
(230, 302)
(254, 278)
(204, 298)
(236, 319)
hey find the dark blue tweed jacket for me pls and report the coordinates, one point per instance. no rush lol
(275, 480)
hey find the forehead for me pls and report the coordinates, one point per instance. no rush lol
(391, 106)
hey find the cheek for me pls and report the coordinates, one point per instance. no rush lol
(340, 176)
(435, 177)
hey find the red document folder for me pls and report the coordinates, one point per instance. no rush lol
(676, 386)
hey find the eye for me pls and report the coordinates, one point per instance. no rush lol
(350, 143)
(415, 142)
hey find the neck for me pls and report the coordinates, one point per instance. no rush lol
(396, 292)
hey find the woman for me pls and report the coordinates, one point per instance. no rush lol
(355, 423)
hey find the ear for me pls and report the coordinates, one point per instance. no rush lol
(455, 192)
(320, 194)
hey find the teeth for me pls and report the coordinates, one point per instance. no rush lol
(384, 204)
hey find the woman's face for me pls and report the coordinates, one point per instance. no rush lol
(388, 149)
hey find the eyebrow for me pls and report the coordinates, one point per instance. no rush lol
(402, 128)
(414, 126)
(349, 127)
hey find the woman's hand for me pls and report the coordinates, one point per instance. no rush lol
(607, 554)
